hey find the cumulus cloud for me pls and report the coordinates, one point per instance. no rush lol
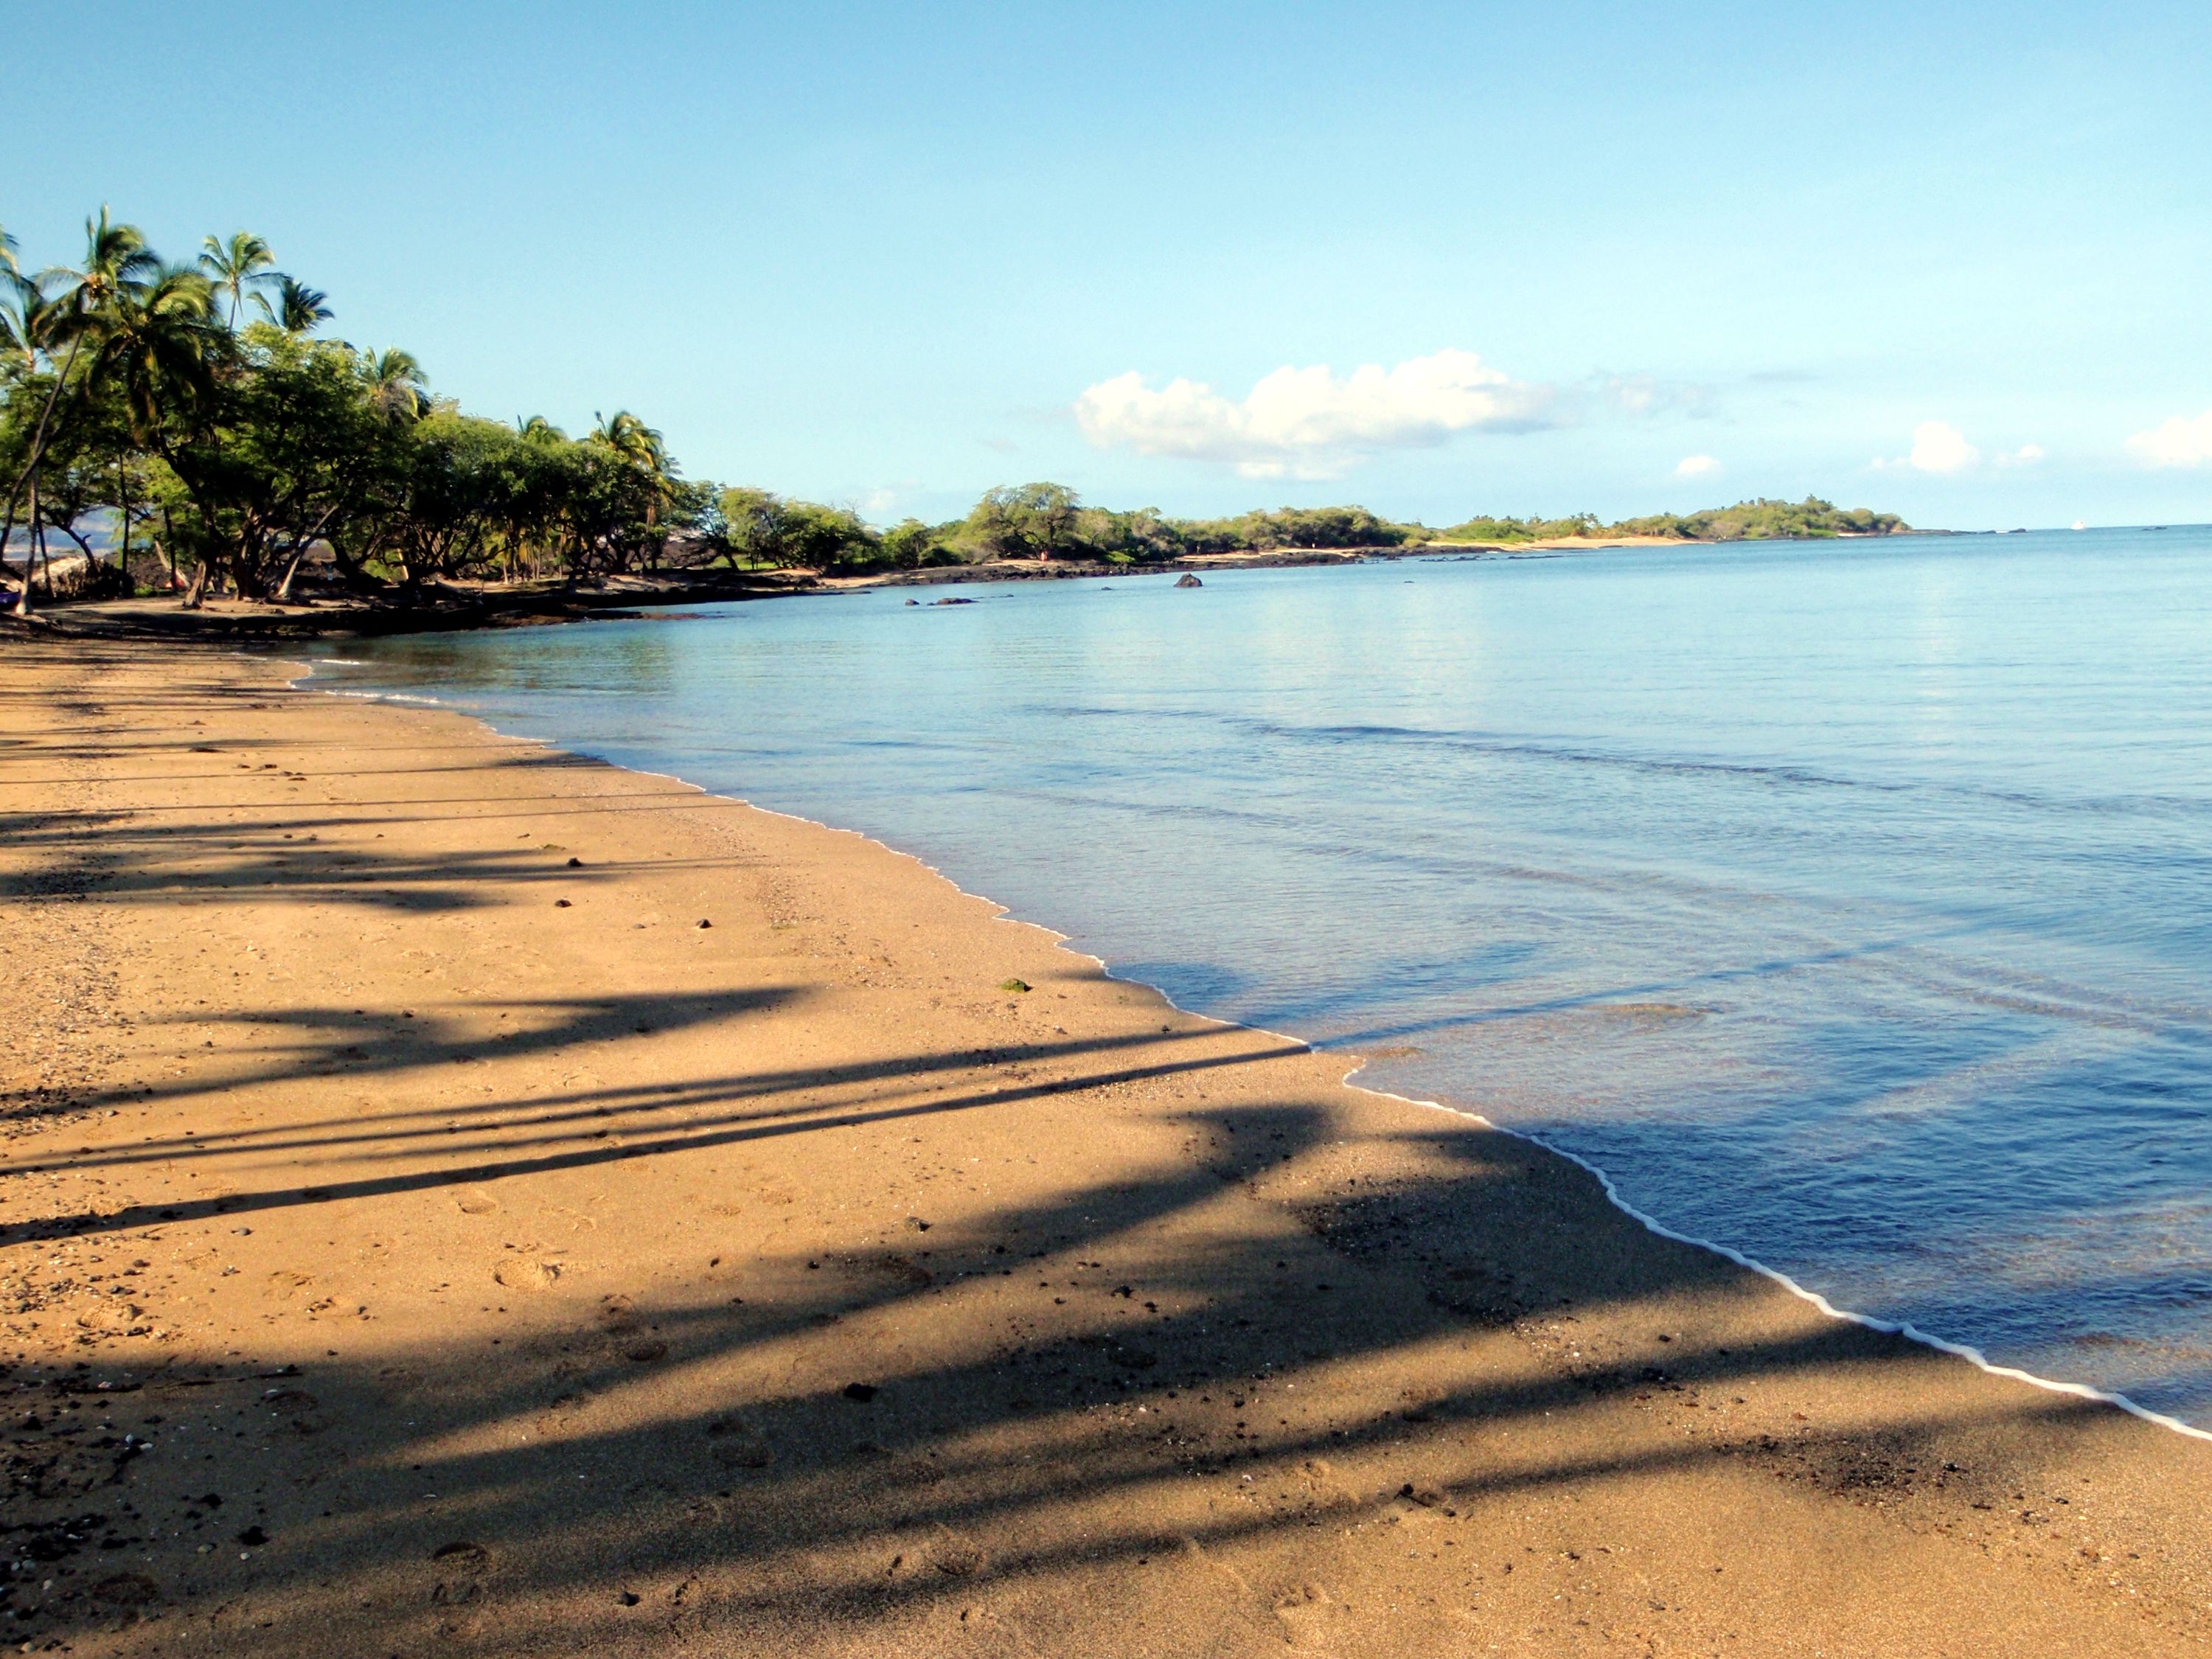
(1937, 446)
(1696, 466)
(2026, 455)
(1306, 423)
(2176, 442)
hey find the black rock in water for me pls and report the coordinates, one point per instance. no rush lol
(1188, 581)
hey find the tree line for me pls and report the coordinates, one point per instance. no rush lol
(192, 410)
(193, 420)
(1761, 519)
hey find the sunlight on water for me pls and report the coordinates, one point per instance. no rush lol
(1847, 903)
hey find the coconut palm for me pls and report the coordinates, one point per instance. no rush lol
(298, 308)
(641, 447)
(243, 262)
(160, 342)
(629, 437)
(117, 261)
(396, 382)
(28, 318)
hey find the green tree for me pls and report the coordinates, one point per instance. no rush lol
(1031, 521)
(233, 266)
(297, 308)
(910, 543)
(117, 262)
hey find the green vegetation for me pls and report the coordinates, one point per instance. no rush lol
(188, 414)
(1747, 521)
(187, 427)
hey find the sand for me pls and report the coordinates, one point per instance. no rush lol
(461, 1198)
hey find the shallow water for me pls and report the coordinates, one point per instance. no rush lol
(1846, 903)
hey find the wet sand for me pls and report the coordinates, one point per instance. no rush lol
(420, 1234)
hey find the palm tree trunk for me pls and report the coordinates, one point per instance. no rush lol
(123, 508)
(284, 587)
(31, 468)
(38, 550)
(31, 553)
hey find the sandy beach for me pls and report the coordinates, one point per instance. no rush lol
(458, 1198)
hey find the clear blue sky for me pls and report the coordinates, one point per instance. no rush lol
(879, 253)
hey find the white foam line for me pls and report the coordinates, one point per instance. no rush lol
(1972, 1355)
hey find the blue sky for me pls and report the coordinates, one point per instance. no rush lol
(1952, 260)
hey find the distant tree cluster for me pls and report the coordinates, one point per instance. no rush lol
(1040, 521)
(1747, 521)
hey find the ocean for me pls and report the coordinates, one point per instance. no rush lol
(1847, 904)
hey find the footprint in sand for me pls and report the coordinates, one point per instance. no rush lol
(738, 1444)
(526, 1273)
(459, 1568)
(301, 1411)
(618, 1314)
(472, 1201)
(952, 1555)
(1311, 1617)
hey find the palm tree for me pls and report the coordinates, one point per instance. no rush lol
(641, 445)
(631, 439)
(163, 343)
(299, 309)
(28, 317)
(396, 382)
(243, 262)
(159, 342)
(117, 261)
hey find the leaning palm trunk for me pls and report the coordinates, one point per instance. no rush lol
(30, 475)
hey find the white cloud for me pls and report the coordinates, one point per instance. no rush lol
(1937, 446)
(1306, 422)
(1696, 466)
(2177, 442)
(2026, 455)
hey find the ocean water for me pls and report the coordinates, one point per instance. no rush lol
(1847, 904)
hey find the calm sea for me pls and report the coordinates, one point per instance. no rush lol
(1849, 904)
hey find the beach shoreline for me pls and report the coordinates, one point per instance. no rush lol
(1506, 1416)
(456, 606)
(306, 681)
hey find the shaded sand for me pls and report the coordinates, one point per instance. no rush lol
(421, 1235)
